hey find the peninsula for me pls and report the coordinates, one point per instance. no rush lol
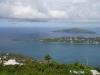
(73, 40)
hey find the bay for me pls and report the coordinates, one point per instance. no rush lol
(20, 40)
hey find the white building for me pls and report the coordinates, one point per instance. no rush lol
(95, 72)
(77, 72)
(12, 62)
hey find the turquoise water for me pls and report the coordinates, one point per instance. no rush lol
(20, 40)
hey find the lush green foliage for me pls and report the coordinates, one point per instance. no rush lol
(33, 67)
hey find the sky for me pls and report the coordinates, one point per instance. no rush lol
(83, 10)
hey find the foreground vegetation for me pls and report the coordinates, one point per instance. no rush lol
(44, 67)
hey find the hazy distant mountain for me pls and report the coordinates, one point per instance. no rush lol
(76, 30)
(32, 19)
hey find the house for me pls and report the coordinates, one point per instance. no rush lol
(12, 62)
(77, 72)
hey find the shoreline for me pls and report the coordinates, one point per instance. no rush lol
(73, 40)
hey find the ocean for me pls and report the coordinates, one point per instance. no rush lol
(19, 39)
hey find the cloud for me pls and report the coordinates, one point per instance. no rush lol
(58, 14)
(68, 9)
(27, 11)
(21, 9)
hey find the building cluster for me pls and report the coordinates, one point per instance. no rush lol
(5, 61)
(94, 72)
(12, 62)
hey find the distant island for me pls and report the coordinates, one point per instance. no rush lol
(76, 30)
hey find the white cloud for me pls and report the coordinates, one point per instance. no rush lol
(21, 11)
(79, 1)
(70, 9)
(58, 14)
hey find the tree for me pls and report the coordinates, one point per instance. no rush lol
(47, 57)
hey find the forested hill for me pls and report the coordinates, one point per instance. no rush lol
(76, 30)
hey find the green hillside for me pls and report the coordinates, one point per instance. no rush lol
(44, 67)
